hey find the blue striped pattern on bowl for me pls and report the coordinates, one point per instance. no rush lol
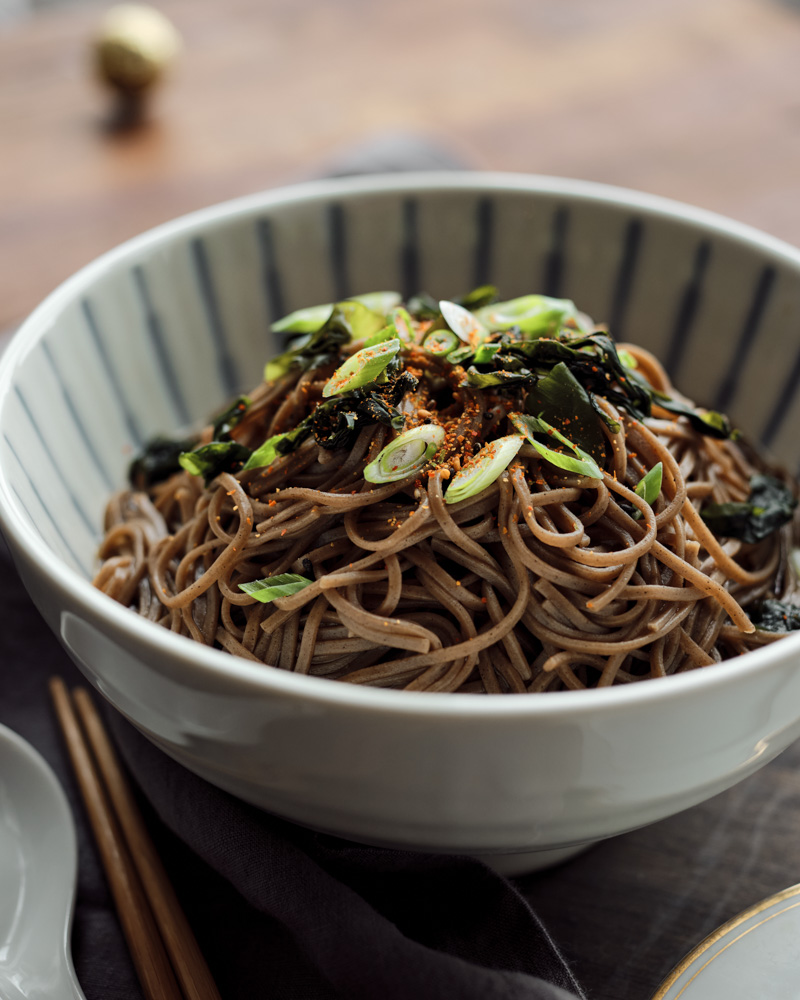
(156, 336)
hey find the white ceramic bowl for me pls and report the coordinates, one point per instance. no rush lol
(96, 370)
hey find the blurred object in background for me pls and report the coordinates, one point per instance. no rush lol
(12, 10)
(134, 48)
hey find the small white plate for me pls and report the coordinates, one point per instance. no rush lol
(756, 954)
(38, 867)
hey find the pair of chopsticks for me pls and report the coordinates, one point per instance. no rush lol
(166, 955)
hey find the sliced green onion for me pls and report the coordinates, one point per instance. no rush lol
(482, 470)
(535, 314)
(307, 320)
(312, 318)
(265, 454)
(387, 333)
(463, 323)
(403, 323)
(649, 486)
(276, 368)
(380, 302)
(485, 353)
(406, 455)
(440, 342)
(272, 587)
(361, 368)
(582, 464)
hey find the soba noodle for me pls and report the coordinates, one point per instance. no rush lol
(545, 579)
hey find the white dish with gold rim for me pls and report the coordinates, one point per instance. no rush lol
(756, 954)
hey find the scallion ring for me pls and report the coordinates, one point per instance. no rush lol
(440, 342)
(312, 318)
(539, 315)
(406, 455)
(361, 368)
(482, 470)
(463, 323)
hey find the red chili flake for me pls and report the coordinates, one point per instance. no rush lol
(484, 601)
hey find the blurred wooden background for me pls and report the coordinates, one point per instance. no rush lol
(695, 99)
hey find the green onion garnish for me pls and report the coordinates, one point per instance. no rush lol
(264, 455)
(626, 358)
(272, 587)
(380, 302)
(463, 323)
(539, 315)
(440, 342)
(310, 319)
(649, 487)
(482, 470)
(403, 323)
(582, 464)
(485, 353)
(361, 368)
(387, 333)
(307, 320)
(406, 455)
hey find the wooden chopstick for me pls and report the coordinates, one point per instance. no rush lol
(144, 941)
(190, 967)
(154, 924)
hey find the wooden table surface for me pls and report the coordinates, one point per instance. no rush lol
(694, 99)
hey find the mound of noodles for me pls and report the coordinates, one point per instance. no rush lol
(544, 579)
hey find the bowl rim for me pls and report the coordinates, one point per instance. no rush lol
(192, 657)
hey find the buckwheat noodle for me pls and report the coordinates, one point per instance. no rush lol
(542, 581)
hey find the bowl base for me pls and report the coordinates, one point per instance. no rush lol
(528, 862)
